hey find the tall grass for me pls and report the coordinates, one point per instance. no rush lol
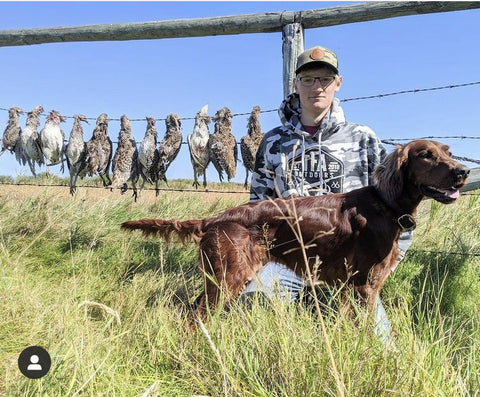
(111, 309)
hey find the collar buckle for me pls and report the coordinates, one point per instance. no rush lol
(407, 222)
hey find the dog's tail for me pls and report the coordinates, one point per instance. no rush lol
(185, 230)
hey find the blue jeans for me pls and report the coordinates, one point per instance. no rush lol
(276, 279)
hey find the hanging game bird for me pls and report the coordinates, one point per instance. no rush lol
(52, 138)
(249, 143)
(222, 145)
(169, 147)
(30, 140)
(148, 154)
(76, 152)
(11, 134)
(99, 151)
(125, 160)
(198, 146)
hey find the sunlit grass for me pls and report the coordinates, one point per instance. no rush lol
(111, 308)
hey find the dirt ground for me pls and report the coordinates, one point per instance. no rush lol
(94, 194)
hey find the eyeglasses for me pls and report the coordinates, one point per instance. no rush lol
(309, 81)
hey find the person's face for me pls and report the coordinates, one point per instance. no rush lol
(319, 96)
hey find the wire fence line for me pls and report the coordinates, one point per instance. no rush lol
(375, 96)
(396, 141)
(388, 141)
(414, 251)
(162, 189)
(217, 191)
(412, 91)
(393, 140)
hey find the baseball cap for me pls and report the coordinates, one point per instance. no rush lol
(320, 55)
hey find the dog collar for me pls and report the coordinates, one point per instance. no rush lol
(407, 222)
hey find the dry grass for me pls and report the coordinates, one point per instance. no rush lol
(109, 307)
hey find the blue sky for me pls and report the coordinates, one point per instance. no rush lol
(158, 77)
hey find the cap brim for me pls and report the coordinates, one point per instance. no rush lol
(316, 63)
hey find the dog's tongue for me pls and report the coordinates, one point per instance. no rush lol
(454, 193)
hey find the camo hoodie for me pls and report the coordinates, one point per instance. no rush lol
(339, 157)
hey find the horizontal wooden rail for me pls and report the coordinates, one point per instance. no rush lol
(228, 25)
(473, 182)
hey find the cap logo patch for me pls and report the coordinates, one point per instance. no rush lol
(317, 54)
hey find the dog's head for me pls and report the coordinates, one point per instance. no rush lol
(425, 165)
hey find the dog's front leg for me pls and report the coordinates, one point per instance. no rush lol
(368, 295)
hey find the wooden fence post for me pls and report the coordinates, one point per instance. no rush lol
(292, 46)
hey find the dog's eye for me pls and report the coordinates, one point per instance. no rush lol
(426, 154)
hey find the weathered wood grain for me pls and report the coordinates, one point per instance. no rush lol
(228, 25)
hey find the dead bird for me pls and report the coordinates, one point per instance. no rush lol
(169, 147)
(222, 145)
(30, 140)
(148, 154)
(11, 135)
(198, 146)
(125, 160)
(249, 143)
(52, 139)
(99, 151)
(76, 152)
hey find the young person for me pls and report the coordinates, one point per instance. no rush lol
(314, 151)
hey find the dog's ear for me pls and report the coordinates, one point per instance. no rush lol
(389, 175)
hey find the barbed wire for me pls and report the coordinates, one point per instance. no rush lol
(460, 158)
(216, 191)
(156, 119)
(161, 189)
(389, 141)
(414, 251)
(412, 91)
(392, 141)
(375, 96)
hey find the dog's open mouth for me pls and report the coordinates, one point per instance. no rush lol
(444, 196)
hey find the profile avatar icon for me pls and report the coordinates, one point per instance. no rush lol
(34, 362)
(34, 366)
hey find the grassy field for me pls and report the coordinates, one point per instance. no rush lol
(110, 307)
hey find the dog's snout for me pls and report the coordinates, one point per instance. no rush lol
(462, 171)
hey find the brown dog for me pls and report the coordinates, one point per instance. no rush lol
(352, 236)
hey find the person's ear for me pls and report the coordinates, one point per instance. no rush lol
(338, 83)
(295, 84)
